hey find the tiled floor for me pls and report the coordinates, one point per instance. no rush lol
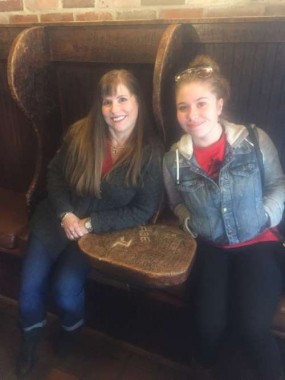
(95, 356)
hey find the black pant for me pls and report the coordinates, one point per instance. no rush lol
(238, 289)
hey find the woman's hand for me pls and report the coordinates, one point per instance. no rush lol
(73, 227)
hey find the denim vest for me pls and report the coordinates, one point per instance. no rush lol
(230, 210)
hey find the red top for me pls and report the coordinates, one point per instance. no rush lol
(210, 159)
(108, 161)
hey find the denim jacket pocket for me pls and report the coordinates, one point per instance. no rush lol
(244, 170)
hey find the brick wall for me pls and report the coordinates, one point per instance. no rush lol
(43, 11)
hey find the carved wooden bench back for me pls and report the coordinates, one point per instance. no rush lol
(52, 73)
(17, 156)
(53, 70)
(16, 137)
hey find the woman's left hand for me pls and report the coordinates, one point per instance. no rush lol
(74, 227)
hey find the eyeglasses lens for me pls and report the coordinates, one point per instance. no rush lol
(201, 72)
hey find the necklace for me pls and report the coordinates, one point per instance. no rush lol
(116, 149)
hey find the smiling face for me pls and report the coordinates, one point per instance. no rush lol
(120, 112)
(198, 111)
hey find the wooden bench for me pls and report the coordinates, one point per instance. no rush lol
(64, 63)
(61, 64)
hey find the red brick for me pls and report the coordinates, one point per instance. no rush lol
(11, 5)
(237, 11)
(136, 15)
(42, 5)
(94, 16)
(57, 17)
(185, 13)
(78, 3)
(23, 19)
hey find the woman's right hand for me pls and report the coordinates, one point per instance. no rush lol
(72, 228)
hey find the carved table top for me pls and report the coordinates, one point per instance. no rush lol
(154, 255)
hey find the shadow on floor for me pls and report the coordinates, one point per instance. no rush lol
(96, 356)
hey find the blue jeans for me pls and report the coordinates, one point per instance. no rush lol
(65, 275)
(238, 290)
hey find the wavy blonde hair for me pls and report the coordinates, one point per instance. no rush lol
(86, 140)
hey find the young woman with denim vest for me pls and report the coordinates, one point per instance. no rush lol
(215, 188)
(107, 176)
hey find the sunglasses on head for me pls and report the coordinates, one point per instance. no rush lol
(199, 71)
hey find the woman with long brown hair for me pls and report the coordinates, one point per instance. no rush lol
(106, 177)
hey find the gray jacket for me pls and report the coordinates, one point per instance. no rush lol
(119, 207)
(235, 208)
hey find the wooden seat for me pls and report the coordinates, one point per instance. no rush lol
(151, 255)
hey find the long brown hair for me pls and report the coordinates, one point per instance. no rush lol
(86, 140)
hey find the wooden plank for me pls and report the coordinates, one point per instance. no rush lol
(77, 82)
(17, 141)
(28, 71)
(253, 31)
(109, 43)
(174, 50)
(257, 80)
(260, 105)
(276, 112)
(32, 84)
(7, 36)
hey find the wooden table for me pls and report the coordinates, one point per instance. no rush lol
(153, 255)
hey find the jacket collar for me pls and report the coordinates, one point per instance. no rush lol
(235, 133)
